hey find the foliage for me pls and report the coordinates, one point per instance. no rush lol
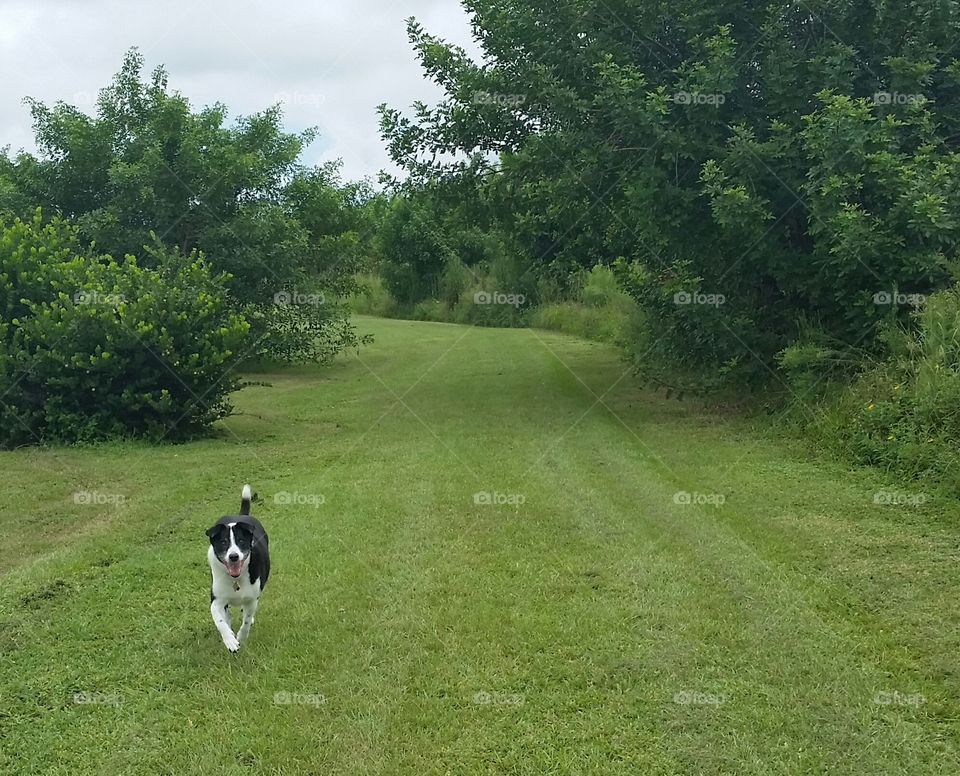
(147, 168)
(92, 347)
(414, 249)
(372, 297)
(598, 309)
(797, 162)
(902, 413)
(301, 328)
(588, 321)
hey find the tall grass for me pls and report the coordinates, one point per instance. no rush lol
(594, 308)
(901, 413)
(372, 298)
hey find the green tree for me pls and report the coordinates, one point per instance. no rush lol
(147, 169)
(147, 164)
(792, 161)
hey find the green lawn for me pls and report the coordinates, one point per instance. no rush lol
(587, 625)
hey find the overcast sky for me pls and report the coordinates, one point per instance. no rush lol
(331, 62)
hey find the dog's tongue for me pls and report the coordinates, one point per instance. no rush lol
(234, 569)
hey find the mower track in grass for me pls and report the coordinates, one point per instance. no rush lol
(492, 553)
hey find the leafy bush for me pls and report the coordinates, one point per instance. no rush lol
(599, 309)
(415, 250)
(454, 281)
(301, 328)
(902, 413)
(431, 310)
(599, 288)
(91, 347)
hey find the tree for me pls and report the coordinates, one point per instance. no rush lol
(148, 170)
(147, 165)
(790, 163)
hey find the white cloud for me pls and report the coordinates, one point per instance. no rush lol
(332, 63)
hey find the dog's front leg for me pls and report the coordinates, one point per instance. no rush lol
(219, 613)
(249, 615)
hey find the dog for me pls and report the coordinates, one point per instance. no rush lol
(239, 557)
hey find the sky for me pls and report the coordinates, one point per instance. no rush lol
(330, 63)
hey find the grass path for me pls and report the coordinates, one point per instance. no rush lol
(587, 625)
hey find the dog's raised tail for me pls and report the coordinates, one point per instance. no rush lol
(245, 497)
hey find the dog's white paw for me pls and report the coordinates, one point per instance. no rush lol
(231, 643)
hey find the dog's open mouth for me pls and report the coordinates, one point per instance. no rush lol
(234, 568)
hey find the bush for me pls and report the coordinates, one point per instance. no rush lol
(431, 310)
(903, 413)
(92, 348)
(301, 328)
(456, 279)
(600, 310)
(415, 250)
(599, 288)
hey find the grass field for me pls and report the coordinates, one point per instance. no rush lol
(584, 623)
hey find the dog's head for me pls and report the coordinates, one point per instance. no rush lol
(232, 544)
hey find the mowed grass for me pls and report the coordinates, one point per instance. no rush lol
(588, 624)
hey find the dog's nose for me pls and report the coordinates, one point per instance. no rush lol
(233, 556)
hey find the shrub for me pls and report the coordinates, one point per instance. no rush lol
(301, 328)
(456, 278)
(415, 250)
(903, 413)
(599, 288)
(92, 348)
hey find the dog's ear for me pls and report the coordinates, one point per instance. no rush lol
(245, 529)
(218, 528)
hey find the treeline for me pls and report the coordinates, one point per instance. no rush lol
(146, 252)
(776, 187)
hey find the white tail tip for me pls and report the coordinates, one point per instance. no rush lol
(246, 494)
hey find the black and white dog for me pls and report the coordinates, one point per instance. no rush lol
(239, 557)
